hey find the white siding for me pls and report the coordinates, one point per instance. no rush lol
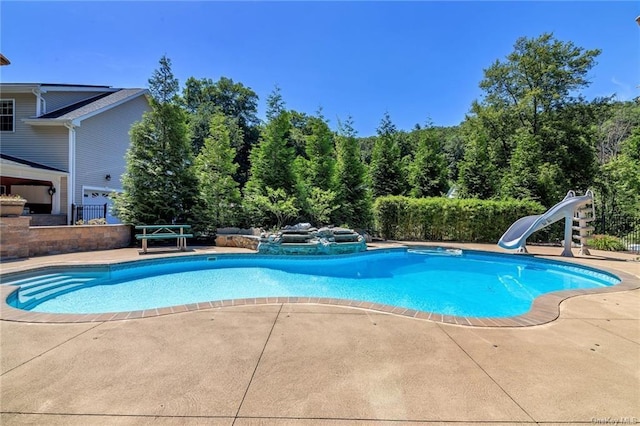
(101, 144)
(42, 144)
(57, 100)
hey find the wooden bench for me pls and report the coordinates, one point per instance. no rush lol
(164, 232)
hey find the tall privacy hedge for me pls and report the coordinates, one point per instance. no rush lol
(446, 219)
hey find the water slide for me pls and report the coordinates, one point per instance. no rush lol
(517, 234)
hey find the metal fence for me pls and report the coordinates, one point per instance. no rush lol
(86, 212)
(624, 227)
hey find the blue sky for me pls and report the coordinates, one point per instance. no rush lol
(416, 60)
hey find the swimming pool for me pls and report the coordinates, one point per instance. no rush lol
(443, 281)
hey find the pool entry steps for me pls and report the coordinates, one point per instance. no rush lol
(34, 289)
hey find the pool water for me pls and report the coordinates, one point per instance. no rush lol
(450, 282)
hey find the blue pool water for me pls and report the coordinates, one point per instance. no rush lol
(450, 282)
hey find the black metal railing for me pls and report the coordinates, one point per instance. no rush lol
(624, 227)
(86, 212)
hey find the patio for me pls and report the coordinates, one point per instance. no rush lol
(291, 364)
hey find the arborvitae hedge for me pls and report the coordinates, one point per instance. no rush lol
(446, 219)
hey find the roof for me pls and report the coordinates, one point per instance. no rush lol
(87, 108)
(74, 107)
(11, 159)
(52, 87)
(4, 60)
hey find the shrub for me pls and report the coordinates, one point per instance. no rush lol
(445, 219)
(605, 242)
(99, 221)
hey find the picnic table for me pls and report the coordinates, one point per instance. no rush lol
(163, 232)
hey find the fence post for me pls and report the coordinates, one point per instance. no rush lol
(73, 214)
(104, 214)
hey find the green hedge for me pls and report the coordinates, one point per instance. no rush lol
(446, 219)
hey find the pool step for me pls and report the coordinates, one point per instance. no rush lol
(63, 281)
(34, 283)
(38, 288)
(34, 299)
(34, 280)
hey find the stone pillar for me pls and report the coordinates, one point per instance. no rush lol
(14, 237)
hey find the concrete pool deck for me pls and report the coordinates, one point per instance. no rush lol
(291, 364)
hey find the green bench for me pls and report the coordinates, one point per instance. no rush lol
(164, 232)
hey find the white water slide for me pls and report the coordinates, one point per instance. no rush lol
(517, 234)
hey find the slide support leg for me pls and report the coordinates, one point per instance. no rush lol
(568, 234)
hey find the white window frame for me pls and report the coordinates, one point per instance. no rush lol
(13, 107)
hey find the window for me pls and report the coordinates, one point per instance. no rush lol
(7, 117)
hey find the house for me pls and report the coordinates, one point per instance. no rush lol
(64, 144)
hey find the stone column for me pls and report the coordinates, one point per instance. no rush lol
(14, 237)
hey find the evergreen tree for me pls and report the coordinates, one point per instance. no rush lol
(275, 104)
(386, 168)
(272, 164)
(163, 85)
(215, 168)
(521, 182)
(428, 171)
(272, 159)
(477, 172)
(321, 154)
(159, 185)
(352, 195)
(315, 171)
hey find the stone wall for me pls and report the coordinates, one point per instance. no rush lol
(19, 240)
(14, 237)
(67, 239)
(243, 241)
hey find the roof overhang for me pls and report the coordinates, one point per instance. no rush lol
(18, 88)
(17, 170)
(51, 122)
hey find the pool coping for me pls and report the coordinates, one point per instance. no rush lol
(545, 308)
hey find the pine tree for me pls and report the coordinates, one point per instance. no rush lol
(320, 152)
(428, 171)
(315, 172)
(272, 159)
(477, 173)
(216, 168)
(160, 185)
(272, 166)
(521, 181)
(352, 194)
(386, 168)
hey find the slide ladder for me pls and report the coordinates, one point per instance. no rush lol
(584, 215)
(571, 207)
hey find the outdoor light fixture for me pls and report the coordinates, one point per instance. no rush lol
(107, 177)
(51, 191)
